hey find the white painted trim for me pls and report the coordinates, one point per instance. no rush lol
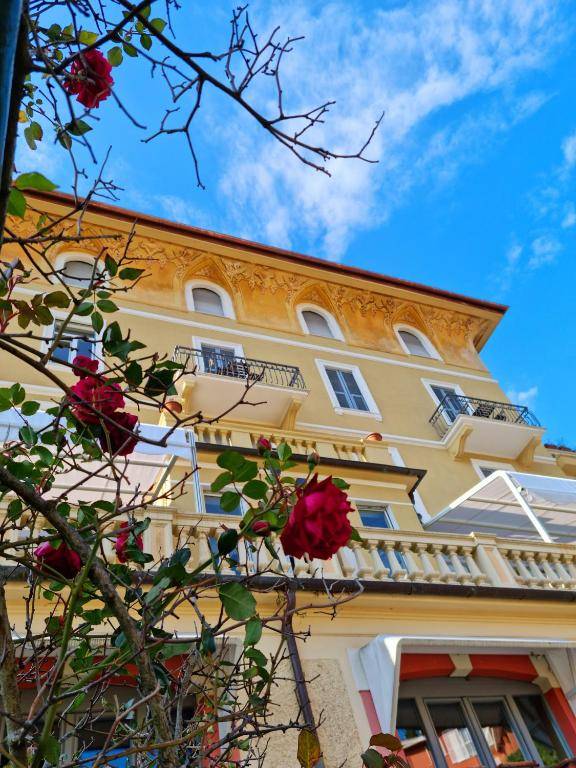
(423, 442)
(378, 504)
(332, 324)
(373, 411)
(429, 383)
(296, 343)
(425, 341)
(227, 303)
(478, 463)
(48, 333)
(84, 256)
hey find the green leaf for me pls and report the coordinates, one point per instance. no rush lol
(29, 408)
(355, 536)
(255, 655)
(386, 740)
(105, 305)
(223, 479)
(372, 759)
(284, 451)
(255, 489)
(247, 471)
(18, 394)
(110, 264)
(130, 273)
(238, 602)
(129, 50)
(115, 56)
(57, 299)
(77, 701)
(231, 460)
(253, 630)
(229, 501)
(85, 308)
(227, 542)
(78, 127)
(308, 748)
(158, 24)
(14, 509)
(156, 590)
(97, 322)
(133, 374)
(16, 203)
(51, 749)
(87, 38)
(32, 134)
(145, 41)
(35, 181)
(339, 483)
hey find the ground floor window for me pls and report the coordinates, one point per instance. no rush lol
(479, 730)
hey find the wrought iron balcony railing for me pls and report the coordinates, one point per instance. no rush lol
(454, 405)
(223, 363)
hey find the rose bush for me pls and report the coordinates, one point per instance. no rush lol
(61, 559)
(318, 524)
(90, 79)
(121, 543)
(101, 395)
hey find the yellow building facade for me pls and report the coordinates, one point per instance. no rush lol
(462, 639)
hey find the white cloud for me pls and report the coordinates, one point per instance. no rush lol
(544, 249)
(523, 396)
(569, 150)
(569, 219)
(412, 61)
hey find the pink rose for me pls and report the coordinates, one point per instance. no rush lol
(86, 363)
(102, 396)
(261, 528)
(121, 543)
(263, 445)
(115, 439)
(61, 560)
(318, 525)
(90, 79)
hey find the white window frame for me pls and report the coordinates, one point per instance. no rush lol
(426, 343)
(377, 505)
(373, 411)
(227, 304)
(197, 342)
(479, 463)
(49, 335)
(335, 330)
(429, 383)
(66, 256)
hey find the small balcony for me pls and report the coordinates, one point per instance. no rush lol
(273, 392)
(471, 425)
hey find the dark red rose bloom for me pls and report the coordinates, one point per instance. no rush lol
(90, 79)
(261, 527)
(87, 363)
(318, 525)
(104, 397)
(115, 439)
(121, 543)
(263, 445)
(63, 560)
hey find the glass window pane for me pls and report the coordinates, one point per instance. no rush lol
(356, 396)
(212, 505)
(78, 273)
(499, 733)
(413, 344)
(207, 301)
(541, 729)
(339, 387)
(412, 735)
(317, 324)
(454, 735)
(374, 517)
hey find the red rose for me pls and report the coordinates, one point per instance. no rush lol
(104, 397)
(261, 528)
(318, 525)
(87, 363)
(90, 79)
(263, 445)
(62, 560)
(121, 543)
(115, 439)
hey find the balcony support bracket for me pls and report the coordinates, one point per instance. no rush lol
(289, 420)
(526, 457)
(458, 449)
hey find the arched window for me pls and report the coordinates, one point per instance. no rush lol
(415, 343)
(78, 272)
(318, 322)
(206, 300)
(209, 298)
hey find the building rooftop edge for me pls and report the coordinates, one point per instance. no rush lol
(269, 250)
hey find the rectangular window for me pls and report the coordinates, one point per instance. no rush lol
(346, 389)
(498, 730)
(212, 505)
(76, 340)
(541, 729)
(453, 734)
(412, 735)
(450, 401)
(374, 516)
(223, 361)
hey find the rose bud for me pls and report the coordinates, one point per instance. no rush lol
(263, 445)
(61, 560)
(121, 542)
(313, 458)
(318, 524)
(261, 528)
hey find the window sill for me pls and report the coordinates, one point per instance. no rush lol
(352, 412)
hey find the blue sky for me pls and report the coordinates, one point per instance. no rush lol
(474, 189)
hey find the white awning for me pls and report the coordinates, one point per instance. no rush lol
(513, 505)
